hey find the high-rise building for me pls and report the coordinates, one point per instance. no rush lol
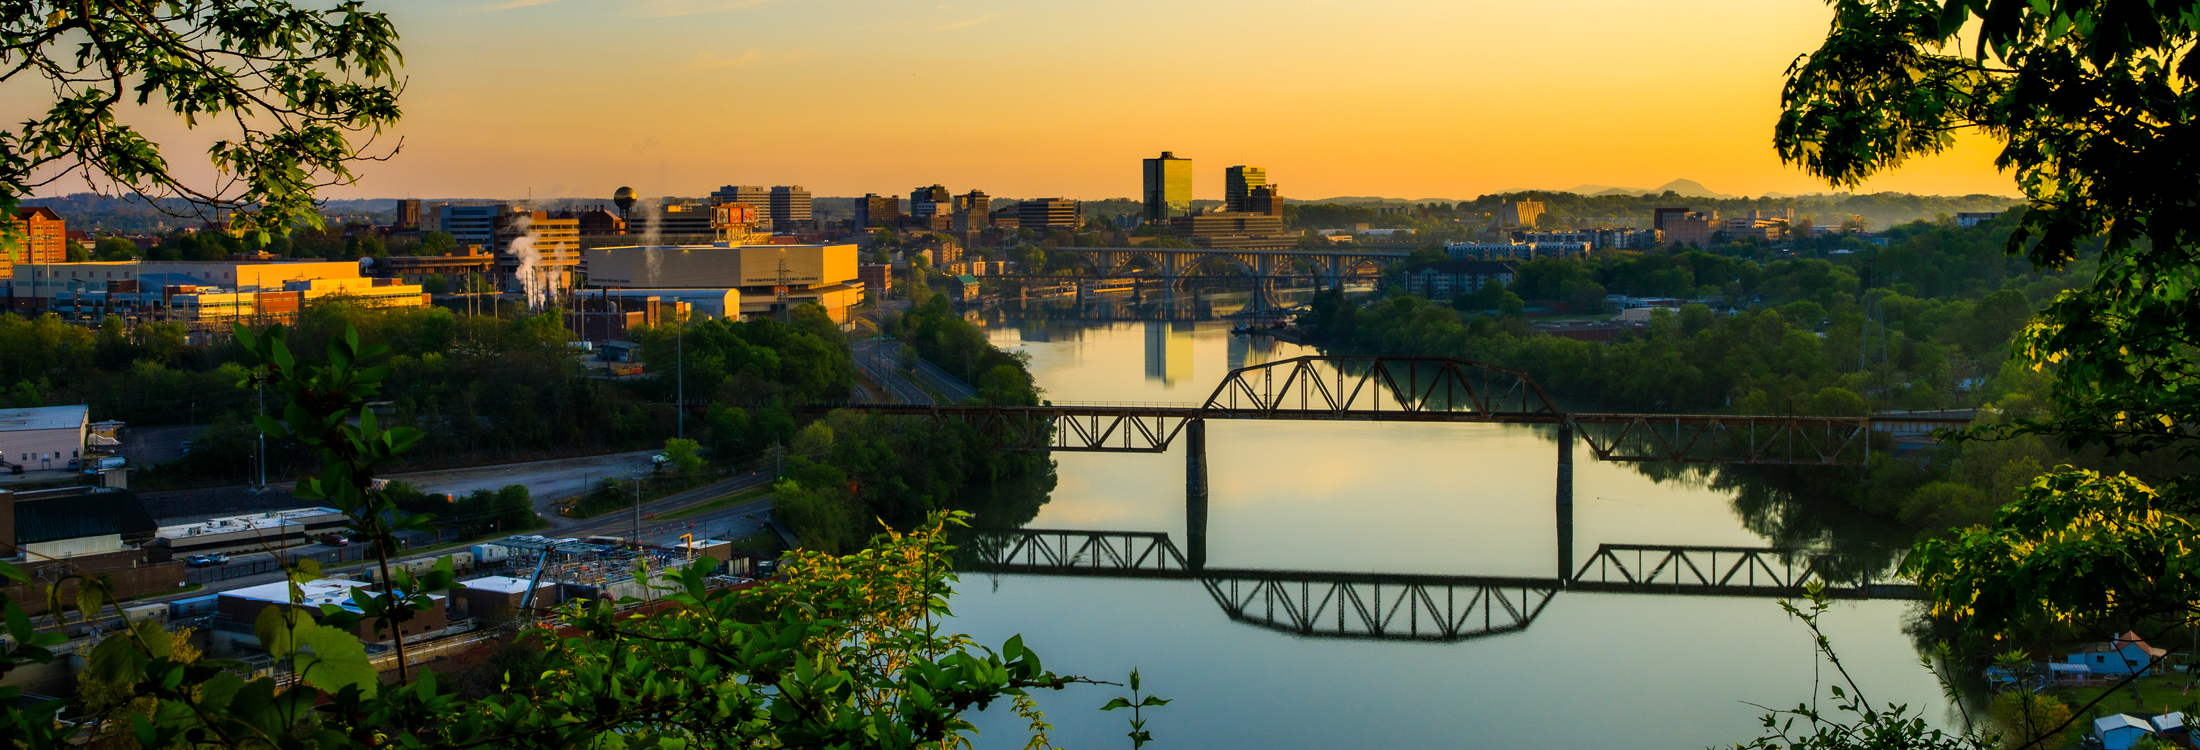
(1238, 184)
(790, 207)
(877, 211)
(754, 195)
(1168, 187)
(1264, 199)
(408, 216)
(473, 225)
(926, 201)
(971, 209)
(1050, 213)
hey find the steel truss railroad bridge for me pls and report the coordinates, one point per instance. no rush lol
(1413, 389)
(1417, 389)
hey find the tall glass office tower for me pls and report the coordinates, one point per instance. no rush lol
(1168, 187)
(1238, 183)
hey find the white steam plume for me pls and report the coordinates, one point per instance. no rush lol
(530, 278)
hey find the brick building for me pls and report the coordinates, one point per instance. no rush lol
(45, 239)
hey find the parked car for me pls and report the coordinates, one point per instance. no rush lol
(334, 540)
(196, 561)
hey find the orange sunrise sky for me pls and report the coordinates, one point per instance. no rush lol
(1397, 98)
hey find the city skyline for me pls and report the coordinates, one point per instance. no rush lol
(678, 97)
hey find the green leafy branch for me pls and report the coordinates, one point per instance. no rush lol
(1138, 734)
(292, 85)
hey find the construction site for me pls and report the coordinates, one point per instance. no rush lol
(599, 568)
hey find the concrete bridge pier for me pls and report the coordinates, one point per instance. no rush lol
(1195, 493)
(1565, 502)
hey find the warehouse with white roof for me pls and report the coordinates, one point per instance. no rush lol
(44, 438)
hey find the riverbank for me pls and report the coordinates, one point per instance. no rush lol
(1304, 517)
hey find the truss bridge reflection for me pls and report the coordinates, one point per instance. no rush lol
(1408, 606)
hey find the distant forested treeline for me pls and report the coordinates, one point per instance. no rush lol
(1880, 210)
(134, 213)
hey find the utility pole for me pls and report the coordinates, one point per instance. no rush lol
(637, 514)
(679, 356)
(262, 396)
(1873, 338)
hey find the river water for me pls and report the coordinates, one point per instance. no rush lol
(1588, 669)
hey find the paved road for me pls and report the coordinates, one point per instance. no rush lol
(546, 481)
(621, 523)
(940, 381)
(33, 475)
(876, 358)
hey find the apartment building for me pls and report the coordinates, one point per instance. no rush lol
(1450, 278)
(45, 239)
(1516, 250)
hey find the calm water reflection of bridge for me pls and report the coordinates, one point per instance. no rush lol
(1407, 606)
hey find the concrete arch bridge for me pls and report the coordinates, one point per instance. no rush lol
(1263, 266)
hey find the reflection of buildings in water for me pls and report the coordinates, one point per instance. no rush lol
(1246, 351)
(1169, 351)
(1182, 307)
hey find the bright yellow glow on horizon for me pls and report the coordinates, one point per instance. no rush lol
(1398, 98)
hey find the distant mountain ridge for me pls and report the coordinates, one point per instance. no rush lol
(1682, 187)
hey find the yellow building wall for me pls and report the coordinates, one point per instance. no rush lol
(807, 265)
(272, 275)
(705, 266)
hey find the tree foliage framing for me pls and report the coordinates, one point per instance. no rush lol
(2094, 103)
(293, 86)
